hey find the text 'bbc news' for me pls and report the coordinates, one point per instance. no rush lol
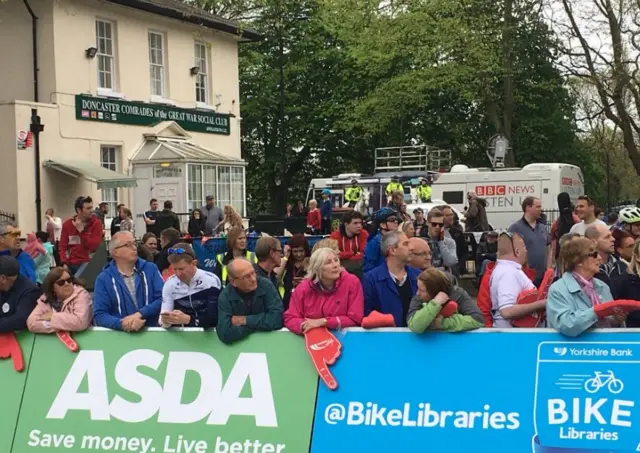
(422, 415)
(172, 444)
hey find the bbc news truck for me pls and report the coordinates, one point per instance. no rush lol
(505, 189)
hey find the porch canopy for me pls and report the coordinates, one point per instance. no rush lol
(103, 177)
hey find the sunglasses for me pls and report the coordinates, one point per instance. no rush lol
(392, 220)
(64, 281)
(15, 233)
(180, 251)
(593, 254)
(437, 224)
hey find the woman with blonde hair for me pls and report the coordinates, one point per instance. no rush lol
(435, 289)
(328, 296)
(627, 286)
(326, 243)
(236, 248)
(408, 229)
(230, 220)
(572, 299)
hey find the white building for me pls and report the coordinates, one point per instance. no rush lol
(116, 79)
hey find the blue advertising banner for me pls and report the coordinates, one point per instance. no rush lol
(482, 391)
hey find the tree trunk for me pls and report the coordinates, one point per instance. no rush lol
(508, 109)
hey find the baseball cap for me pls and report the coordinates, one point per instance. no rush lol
(9, 266)
(210, 197)
(493, 233)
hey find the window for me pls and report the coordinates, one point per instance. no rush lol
(108, 159)
(224, 183)
(106, 55)
(456, 197)
(202, 78)
(156, 64)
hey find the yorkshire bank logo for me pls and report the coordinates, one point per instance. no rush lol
(218, 399)
(560, 351)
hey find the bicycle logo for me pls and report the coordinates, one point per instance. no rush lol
(601, 380)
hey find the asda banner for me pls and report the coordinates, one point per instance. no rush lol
(482, 391)
(169, 392)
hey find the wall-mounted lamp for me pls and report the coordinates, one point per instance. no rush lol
(195, 70)
(91, 52)
(165, 164)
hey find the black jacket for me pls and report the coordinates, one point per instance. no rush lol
(17, 304)
(627, 286)
(167, 219)
(162, 258)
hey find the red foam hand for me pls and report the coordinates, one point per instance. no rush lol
(10, 348)
(545, 286)
(616, 307)
(324, 349)
(377, 319)
(68, 341)
(449, 309)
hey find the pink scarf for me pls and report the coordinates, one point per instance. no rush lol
(588, 288)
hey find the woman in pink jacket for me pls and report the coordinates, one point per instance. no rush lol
(63, 306)
(328, 296)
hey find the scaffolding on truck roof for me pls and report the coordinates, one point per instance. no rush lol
(412, 158)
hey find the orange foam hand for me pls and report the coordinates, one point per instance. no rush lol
(68, 341)
(377, 319)
(10, 348)
(616, 307)
(324, 349)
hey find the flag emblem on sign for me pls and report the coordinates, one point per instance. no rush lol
(85, 113)
(94, 115)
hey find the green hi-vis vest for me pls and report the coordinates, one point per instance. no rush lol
(224, 274)
(424, 192)
(353, 194)
(394, 187)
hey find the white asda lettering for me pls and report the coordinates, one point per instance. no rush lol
(216, 400)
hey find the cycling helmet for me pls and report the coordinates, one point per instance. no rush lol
(383, 214)
(629, 215)
(354, 181)
(326, 192)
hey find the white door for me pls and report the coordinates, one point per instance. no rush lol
(164, 191)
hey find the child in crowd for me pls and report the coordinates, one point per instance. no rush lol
(314, 221)
(40, 249)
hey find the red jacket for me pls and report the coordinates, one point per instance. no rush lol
(351, 248)
(75, 247)
(314, 220)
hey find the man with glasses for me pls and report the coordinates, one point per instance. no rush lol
(190, 296)
(81, 236)
(248, 304)
(443, 249)
(10, 246)
(128, 292)
(268, 252)
(18, 296)
(508, 280)
(586, 211)
(385, 220)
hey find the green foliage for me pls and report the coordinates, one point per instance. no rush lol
(360, 74)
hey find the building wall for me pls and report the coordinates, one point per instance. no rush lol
(16, 49)
(8, 175)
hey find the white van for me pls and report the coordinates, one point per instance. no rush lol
(505, 189)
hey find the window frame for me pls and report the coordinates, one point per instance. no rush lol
(206, 85)
(163, 66)
(113, 56)
(204, 188)
(114, 167)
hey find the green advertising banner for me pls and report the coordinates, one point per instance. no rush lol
(91, 108)
(13, 383)
(168, 392)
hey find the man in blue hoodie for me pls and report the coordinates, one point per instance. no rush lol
(10, 246)
(128, 292)
(386, 219)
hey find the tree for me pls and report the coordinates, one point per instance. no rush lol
(600, 46)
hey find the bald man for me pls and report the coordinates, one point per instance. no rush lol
(611, 267)
(419, 253)
(508, 280)
(247, 304)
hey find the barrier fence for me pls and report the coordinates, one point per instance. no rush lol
(185, 392)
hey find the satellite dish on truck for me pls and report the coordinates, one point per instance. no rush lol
(497, 150)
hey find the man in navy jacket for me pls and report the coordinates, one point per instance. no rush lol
(128, 292)
(390, 287)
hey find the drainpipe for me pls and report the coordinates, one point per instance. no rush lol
(36, 126)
